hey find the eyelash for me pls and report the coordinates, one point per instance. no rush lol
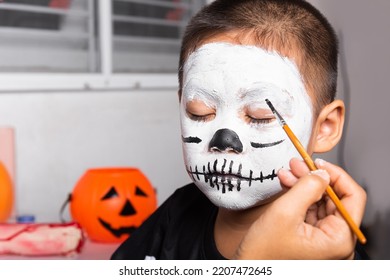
(260, 121)
(200, 118)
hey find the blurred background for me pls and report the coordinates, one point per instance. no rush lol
(87, 83)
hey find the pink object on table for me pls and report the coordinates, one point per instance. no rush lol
(41, 239)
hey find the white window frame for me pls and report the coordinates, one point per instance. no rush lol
(104, 80)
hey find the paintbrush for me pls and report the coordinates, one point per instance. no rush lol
(309, 162)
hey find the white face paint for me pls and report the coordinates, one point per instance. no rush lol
(232, 149)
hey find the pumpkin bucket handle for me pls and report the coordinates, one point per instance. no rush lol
(66, 202)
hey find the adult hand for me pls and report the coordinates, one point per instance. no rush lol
(303, 223)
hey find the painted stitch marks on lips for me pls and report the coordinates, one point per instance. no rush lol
(224, 178)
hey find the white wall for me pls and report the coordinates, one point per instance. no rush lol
(60, 135)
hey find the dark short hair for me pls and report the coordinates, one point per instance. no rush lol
(285, 26)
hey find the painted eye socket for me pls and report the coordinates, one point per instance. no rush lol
(110, 194)
(198, 111)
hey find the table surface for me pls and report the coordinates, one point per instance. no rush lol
(90, 251)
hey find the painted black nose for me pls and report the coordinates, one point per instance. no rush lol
(225, 140)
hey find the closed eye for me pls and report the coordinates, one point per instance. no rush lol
(253, 120)
(199, 111)
(201, 118)
(257, 115)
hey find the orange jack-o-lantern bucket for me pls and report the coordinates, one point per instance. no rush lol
(110, 203)
(6, 194)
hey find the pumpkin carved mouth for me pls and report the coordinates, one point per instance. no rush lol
(117, 232)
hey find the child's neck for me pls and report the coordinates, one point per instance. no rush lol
(231, 227)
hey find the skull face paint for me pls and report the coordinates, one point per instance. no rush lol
(232, 145)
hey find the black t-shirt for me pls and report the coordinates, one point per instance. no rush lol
(182, 228)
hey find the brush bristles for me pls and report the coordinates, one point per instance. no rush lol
(276, 113)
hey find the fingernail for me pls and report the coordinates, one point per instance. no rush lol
(322, 173)
(319, 162)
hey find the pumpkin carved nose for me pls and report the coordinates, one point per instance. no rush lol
(225, 140)
(128, 209)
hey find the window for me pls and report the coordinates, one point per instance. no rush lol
(152, 30)
(47, 36)
(91, 38)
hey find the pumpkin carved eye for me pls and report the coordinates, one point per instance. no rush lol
(110, 194)
(140, 192)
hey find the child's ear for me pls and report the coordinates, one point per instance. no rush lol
(328, 128)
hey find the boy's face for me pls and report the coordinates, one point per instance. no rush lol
(232, 144)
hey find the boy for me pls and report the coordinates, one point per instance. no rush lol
(251, 198)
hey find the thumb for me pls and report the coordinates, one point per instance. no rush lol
(308, 190)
